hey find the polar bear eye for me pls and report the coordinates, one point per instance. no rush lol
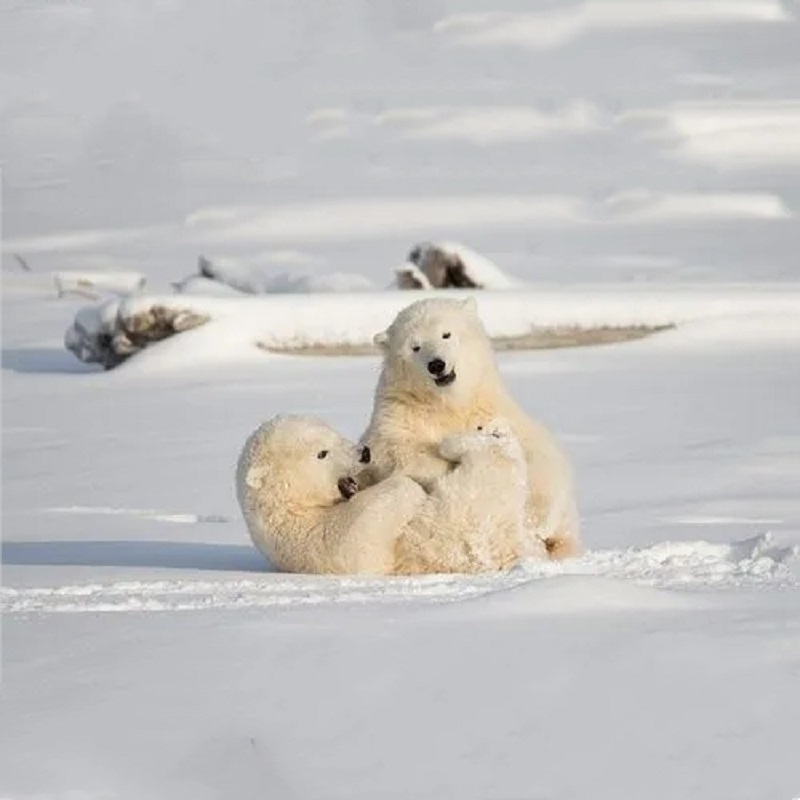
(480, 427)
(446, 335)
(415, 348)
(322, 454)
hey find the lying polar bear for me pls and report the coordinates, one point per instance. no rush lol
(297, 490)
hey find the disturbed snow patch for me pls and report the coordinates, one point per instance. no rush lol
(752, 563)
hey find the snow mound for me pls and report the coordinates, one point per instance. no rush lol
(329, 282)
(753, 563)
(112, 331)
(240, 328)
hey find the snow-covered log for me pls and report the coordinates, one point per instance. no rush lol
(202, 285)
(250, 280)
(111, 332)
(410, 276)
(429, 265)
(450, 265)
(236, 276)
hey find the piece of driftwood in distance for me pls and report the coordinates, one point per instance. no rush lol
(539, 338)
(409, 276)
(112, 345)
(22, 262)
(443, 269)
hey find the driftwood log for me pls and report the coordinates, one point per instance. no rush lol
(99, 337)
(432, 267)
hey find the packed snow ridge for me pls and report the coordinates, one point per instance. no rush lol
(752, 563)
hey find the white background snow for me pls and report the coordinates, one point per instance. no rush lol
(584, 148)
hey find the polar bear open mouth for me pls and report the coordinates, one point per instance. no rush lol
(445, 380)
(347, 487)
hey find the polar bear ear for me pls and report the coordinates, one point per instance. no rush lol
(381, 339)
(470, 305)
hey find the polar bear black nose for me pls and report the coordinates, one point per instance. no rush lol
(436, 367)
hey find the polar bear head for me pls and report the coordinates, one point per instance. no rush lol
(299, 462)
(437, 348)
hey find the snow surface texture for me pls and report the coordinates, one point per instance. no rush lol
(149, 652)
(585, 142)
(754, 562)
(589, 140)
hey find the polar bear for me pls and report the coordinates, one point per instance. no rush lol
(473, 520)
(304, 511)
(439, 376)
(295, 485)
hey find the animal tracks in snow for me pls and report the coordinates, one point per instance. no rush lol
(752, 563)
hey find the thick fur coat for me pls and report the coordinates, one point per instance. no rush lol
(299, 497)
(439, 377)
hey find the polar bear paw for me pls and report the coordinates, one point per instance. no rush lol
(492, 434)
(497, 428)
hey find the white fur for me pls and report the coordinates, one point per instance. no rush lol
(411, 414)
(474, 518)
(294, 510)
(471, 522)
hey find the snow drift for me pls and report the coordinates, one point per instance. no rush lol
(228, 329)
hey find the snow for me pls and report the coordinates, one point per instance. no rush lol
(557, 27)
(489, 124)
(240, 328)
(97, 283)
(742, 564)
(738, 135)
(628, 162)
(148, 651)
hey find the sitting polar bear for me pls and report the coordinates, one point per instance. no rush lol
(296, 486)
(439, 376)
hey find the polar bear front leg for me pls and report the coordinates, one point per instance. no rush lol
(422, 462)
(453, 448)
(426, 466)
(370, 522)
